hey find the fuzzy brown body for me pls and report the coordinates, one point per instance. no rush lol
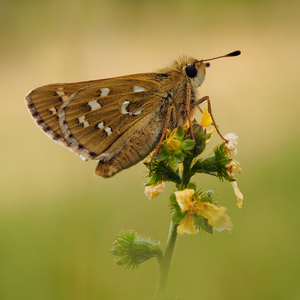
(117, 121)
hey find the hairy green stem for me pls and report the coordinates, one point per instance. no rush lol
(165, 263)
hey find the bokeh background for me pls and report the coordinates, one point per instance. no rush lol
(57, 218)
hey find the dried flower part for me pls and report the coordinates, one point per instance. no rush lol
(187, 225)
(206, 119)
(231, 151)
(154, 190)
(238, 194)
(215, 215)
(230, 146)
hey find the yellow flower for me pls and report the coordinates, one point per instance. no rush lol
(172, 142)
(206, 119)
(154, 190)
(212, 131)
(187, 225)
(215, 215)
(184, 199)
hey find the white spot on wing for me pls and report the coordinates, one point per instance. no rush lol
(100, 125)
(94, 105)
(105, 92)
(60, 93)
(138, 111)
(53, 110)
(137, 88)
(81, 119)
(124, 106)
(65, 98)
(108, 130)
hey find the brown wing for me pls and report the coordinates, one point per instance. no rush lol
(90, 117)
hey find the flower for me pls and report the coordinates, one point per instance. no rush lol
(230, 146)
(206, 119)
(154, 190)
(216, 215)
(231, 151)
(172, 141)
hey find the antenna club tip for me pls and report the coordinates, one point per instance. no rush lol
(234, 53)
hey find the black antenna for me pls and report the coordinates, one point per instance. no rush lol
(234, 53)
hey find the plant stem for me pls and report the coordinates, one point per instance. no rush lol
(165, 263)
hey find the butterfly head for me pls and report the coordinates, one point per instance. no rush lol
(195, 70)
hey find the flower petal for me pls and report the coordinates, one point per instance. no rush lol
(187, 225)
(215, 215)
(238, 194)
(184, 199)
(231, 144)
(206, 119)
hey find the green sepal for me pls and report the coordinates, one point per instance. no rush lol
(163, 154)
(202, 224)
(178, 215)
(198, 220)
(214, 165)
(187, 144)
(206, 227)
(180, 133)
(192, 186)
(178, 156)
(162, 172)
(200, 136)
(130, 249)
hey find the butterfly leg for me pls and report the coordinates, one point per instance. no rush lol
(188, 107)
(198, 102)
(163, 135)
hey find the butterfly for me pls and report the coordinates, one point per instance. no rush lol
(119, 121)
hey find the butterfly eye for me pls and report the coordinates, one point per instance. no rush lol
(191, 71)
(207, 65)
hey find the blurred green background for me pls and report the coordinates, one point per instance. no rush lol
(57, 218)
